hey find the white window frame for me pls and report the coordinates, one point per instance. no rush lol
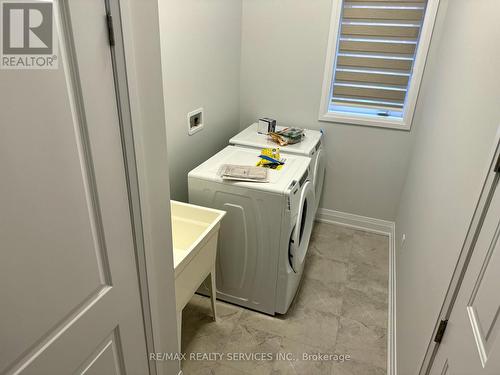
(403, 123)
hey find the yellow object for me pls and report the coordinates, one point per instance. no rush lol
(272, 153)
(266, 164)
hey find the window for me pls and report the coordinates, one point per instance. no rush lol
(375, 60)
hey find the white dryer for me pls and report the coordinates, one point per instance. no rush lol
(310, 146)
(265, 234)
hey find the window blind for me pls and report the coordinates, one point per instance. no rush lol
(376, 47)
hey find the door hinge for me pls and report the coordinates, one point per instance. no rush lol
(497, 165)
(440, 331)
(111, 31)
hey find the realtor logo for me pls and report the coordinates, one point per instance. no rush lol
(28, 38)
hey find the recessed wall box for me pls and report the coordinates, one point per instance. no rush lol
(195, 121)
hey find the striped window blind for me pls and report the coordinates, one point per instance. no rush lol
(376, 48)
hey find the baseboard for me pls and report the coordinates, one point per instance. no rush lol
(368, 224)
(387, 228)
(391, 324)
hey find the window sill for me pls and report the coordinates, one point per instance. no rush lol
(379, 122)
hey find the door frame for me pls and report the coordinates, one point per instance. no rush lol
(490, 182)
(129, 157)
(139, 91)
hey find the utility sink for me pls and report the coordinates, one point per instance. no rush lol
(195, 231)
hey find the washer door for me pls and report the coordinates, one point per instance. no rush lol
(319, 176)
(301, 233)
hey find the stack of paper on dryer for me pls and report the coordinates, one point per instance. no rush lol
(243, 173)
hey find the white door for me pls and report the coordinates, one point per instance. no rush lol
(471, 344)
(69, 291)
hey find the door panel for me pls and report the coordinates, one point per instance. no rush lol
(484, 303)
(471, 343)
(107, 359)
(445, 371)
(67, 265)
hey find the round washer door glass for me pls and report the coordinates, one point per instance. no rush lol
(299, 240)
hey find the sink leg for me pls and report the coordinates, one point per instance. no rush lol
(179, 330)
(213, 293)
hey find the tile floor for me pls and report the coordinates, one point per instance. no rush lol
(341, 308)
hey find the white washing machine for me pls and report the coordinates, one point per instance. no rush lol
(265, 234)
(310, 146)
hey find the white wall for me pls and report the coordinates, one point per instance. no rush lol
(283, 58)
(201, 42)
(455, 126)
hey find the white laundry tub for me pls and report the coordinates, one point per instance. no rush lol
(195, 230)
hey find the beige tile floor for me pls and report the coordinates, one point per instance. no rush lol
(340, 308)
